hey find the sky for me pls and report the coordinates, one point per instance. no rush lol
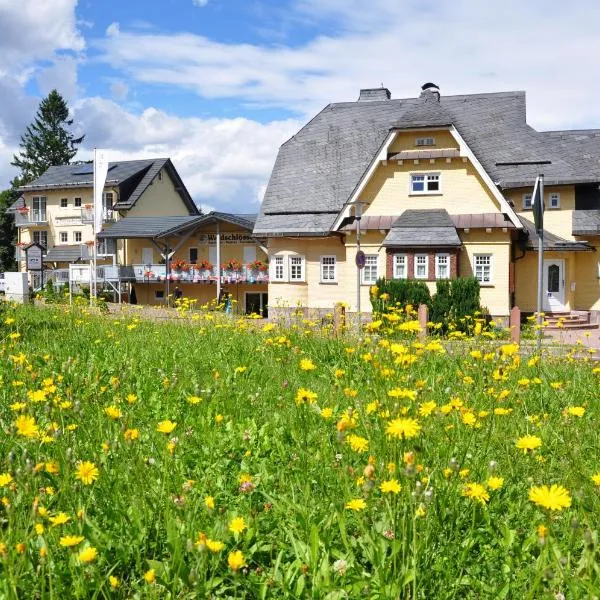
(219, 85)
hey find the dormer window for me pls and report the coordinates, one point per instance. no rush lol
(425, 183)
(425, 141)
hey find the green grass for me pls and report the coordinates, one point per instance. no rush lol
(147, 509)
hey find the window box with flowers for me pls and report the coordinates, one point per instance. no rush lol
(180, 266)
(203, 269)
(232, 266)
(258, 266)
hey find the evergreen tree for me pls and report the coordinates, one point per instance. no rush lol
(8, 232)
(47, 141)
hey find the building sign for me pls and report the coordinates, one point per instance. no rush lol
(226, 238)
(34, 258)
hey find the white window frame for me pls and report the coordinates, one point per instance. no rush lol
(65, 235)
(554, 196)
(295, 275)
(278, 268)
(437, 265)
(398, 264)
(490, 266)
(425, 141)
(371, 266)
(427, 179)
(77, 236)
(40, 236)
(66, 201)
(527, 201)
(416, 266)
(328, 268)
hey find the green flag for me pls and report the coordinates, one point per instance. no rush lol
(537, 205)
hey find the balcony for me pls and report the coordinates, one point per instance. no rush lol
(157, 273)
(30, 218)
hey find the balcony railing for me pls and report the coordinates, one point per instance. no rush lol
(29, 218)
(154, 273)
(78, 216)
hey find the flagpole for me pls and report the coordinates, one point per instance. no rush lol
(93, 257)
(540, 300)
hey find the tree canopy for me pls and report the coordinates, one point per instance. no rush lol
(47, 141)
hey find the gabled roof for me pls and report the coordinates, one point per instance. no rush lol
(318, 169)
(143, 227)
(423, 228)
(161, 227)
(132, 177)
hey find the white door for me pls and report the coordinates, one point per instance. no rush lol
(147, 256)
(554, 285)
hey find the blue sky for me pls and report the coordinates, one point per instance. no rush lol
(218, 85)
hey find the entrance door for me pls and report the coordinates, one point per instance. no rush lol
(256, 303)
(554, 285)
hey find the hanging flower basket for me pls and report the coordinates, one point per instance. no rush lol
(23, 210)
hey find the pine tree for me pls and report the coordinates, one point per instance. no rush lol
(8, 231)
(47, 141)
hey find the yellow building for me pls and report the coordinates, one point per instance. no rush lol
(435, 187)
(155, 244)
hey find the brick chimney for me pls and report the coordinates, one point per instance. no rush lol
(430, 91)
(374, 94)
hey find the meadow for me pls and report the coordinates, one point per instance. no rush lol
(226, 458)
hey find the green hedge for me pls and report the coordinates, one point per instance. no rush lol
(453, 301)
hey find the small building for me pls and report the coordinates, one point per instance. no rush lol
(435, 187)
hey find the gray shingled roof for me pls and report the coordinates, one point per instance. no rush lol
(586, 222)
(69, 254)
(132, 177)
(81, 175)
(423, 228)
(160, 227)
(144, 227)
(551, 241)
(317, 170)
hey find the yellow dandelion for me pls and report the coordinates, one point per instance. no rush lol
(88, 555)
(357, 504)
(150, 576)
(215, 545)
(575, 411)
(307, 365)
(60, 519)
(554, 497)
(26, 426)
(528, 443)
(403, 428)
(166, 426)
(237, 525)
(495, 483)
(209, 502)
(68, 541)
(236, 560)
(5, 479)
(305, 396)
(113, 412)
(391, 486)
(357, 443)
(596, 478)
(476, 492)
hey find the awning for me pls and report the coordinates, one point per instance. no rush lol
(68, 254)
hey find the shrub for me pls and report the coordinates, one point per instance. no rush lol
(464, 292)
(399, 292)
(441, 303)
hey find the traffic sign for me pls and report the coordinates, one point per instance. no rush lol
(360, 259)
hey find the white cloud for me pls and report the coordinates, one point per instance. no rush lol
(223, 162)
(34, 29)
(62, 76)
(463, 45)
(200, 3)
